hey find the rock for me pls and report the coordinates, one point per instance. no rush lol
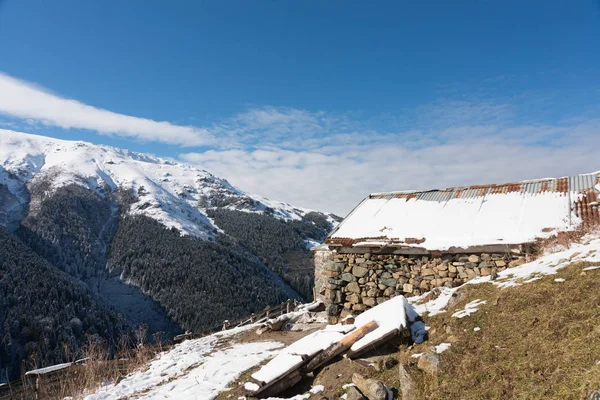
(427, 272)
(389, 292)
(359, 272)
(486, 271)
(516, 263)
(386, 275)
(353, 298)
(407, 385)
(474, 258)
(500, 263)
(353, 287)
(390, 282)
(407, 288)
(359, 307)
(370, 388)
(442, 267)
(352, 393)
(429, 363)
(452, 269)
(369, 301)
(348, 277)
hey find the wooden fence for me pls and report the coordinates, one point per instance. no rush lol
(28, 387)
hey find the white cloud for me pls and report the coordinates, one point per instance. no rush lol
(335, 176)
(331, 161)
(28, 102)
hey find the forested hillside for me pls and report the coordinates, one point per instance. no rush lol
(282, 245)
(42, 311)
(70, 228)
(200, 283)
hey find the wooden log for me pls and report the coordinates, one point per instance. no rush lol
(374, 345)
(339, 347)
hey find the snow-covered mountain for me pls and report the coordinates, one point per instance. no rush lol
(172, 193)
(163, 244)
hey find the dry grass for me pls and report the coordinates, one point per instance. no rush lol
(89, 375)
(537, 341)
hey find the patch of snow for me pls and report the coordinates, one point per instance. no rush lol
(559, 280)
(442, 347)
(251, 386)
(46, 370)
(394, 314)
(435, 306)
(469, 309)
(591, 268)
(347, 385)
(317, 389)
(417, 355)
(293, 355)
(193, 369)
(477, 329)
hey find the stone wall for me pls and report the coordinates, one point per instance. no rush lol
(352, 283)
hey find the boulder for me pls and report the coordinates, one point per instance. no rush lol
(352, 393)
(370, 388)
(429, 363)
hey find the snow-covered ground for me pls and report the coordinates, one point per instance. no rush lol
(172, 193)
(195, 369)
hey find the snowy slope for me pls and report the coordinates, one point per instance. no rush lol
(175, 194)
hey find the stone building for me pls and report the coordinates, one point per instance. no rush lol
(411, 242)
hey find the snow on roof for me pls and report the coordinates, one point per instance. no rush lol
(47, 370)
(463, 217)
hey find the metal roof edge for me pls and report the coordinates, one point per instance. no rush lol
(455, 188)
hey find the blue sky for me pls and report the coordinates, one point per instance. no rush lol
(314, 102)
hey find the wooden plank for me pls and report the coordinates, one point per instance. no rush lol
(374, 345)
(339, 347)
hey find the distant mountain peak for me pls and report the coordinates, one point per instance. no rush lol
(175, 194)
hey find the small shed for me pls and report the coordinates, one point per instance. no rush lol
(409, 242)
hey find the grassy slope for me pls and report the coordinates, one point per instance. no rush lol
(540, 340)
(537, 341)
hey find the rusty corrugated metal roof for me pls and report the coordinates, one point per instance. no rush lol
(581, 189)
